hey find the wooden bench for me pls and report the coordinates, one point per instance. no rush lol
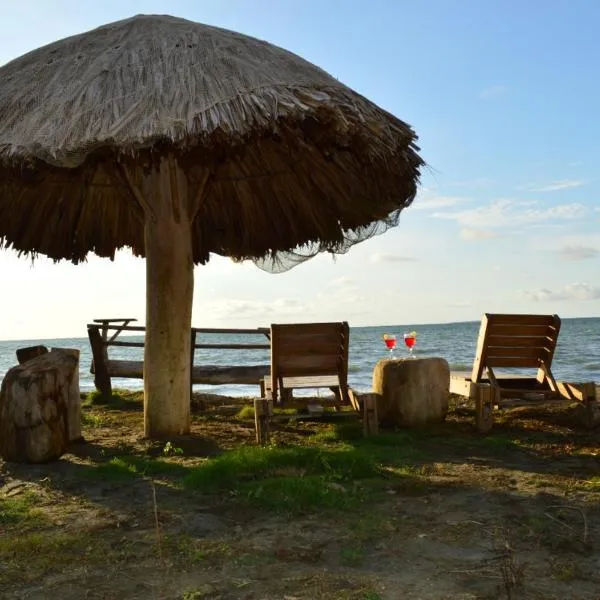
(104, 368)
(519, 342)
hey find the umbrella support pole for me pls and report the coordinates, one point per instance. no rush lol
(169, 297)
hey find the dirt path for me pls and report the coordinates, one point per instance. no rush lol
(450, 514)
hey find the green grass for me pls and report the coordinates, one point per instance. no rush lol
(246, 412)
(118, 399)
(30, 555)
(197, 550)
(297, 495)
(18, 510)
(295, 479)
(123, 468)
(498, 443)
(252, 462)
(594, 483)
(93, 420)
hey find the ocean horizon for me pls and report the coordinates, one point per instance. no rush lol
(577, 356)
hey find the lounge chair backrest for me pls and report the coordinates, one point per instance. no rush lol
(309, 349)
(515, 341)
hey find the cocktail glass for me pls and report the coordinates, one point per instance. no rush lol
(390, 342)
(410, 340)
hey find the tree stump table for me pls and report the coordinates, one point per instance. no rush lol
(40, 407)
(413, 391)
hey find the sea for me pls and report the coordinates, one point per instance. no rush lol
(577, 356)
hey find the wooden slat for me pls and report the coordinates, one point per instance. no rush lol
(308, 328)
(522, 330)
(516, 352)
(205, 374)
(478, 364)
(310, 382)
(288, 338)
(307, 364)
(328, 348)
(521, 341)
(113, 320)
(257, 331)
(125, 344)
(117, 332)
(122, 327)
(512, 362)
(519, 319)
(232, 346)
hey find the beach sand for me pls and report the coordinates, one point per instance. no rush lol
(452, 514)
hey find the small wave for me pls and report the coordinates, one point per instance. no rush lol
(592, 367)
(460, 367)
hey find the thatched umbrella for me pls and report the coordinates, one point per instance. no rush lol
(177, 139)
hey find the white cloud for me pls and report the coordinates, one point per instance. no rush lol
(493, 92)
(578, 252)
(391, 258)
(472, 235)
(513, 213)
(554, 186)
(573, 291)
(233, 309)
(430, 201)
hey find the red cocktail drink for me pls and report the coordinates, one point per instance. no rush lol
(410, 339)
(390, 342)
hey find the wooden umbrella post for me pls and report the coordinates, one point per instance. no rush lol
(169, 298)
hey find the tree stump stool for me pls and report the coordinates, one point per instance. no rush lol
(413, 391)
(40, 407)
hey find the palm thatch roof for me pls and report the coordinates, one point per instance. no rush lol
(289, 160)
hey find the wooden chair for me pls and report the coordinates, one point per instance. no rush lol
(519, 342)
(308, 355)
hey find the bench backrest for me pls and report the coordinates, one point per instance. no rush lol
(515, 341)
(309, 349)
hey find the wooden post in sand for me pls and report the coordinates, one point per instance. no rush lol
(263, 409)
(370, 416)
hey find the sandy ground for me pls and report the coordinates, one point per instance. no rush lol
(514, 514)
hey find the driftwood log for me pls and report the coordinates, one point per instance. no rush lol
(413, 391)
(40, 407)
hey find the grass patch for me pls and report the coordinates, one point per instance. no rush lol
(253, 462)
(498, 443)
(197, 550)
(593, 483)
(294, 480)
(123, 468)
(19, 510)
(246, 412)
(93, 420)
(297, 495)
(118, 399)
(30, 555)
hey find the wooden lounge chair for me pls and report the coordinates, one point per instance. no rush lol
(516, 342)
(308, 355)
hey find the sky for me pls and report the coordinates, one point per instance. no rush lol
(504, 97)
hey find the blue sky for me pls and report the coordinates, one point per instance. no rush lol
(504, 97)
